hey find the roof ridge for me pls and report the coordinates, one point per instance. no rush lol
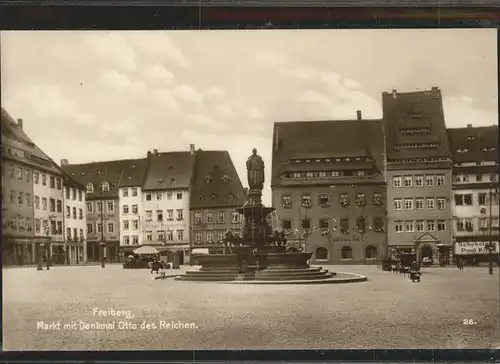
(327, 121)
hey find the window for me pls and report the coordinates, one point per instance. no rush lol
(148, 196)
(59, 184)
(125, 209)
(235, 217)
(37, 202)
(180, 234)
(105, 187)
(361, 224)
(440, 179)
(81, 233)
(197, 218)
(135, 224)
(346, 253)
(335, 173)
(44, 203)
(286, 224)
(483, 223)
(306, 201)
(408, 203)
(73, 190)
(90, 229)
(169, 235)
(360, 199)
(180, 215)
(231, 196)
(344, 225)
(125, 192)
(169, 195)
(159, 195)
(209, 218)
(99, 206)
(441, 225)
(408, 180)
(159, 215)
(321, 253)
(80, 214)
(309, 174)
(463, 199)
(20, 198)
(469, 226)
(198, 237)
(441, 203)
(53, 204)
(53, 227)
(220, 217)
(430, 203)
(210, 237)
(135, 239)
(286, 201)
(149, 236)
(398, 226)
(59, 205)
(28, 202)
(419, 203)
(19, 173)
(160, 235)
(37, 226)
(125, 225)
(396, 181)
(135, 209)
(378, 224)
(220, 236)
(89, 206)
(322, 174)
(99, 228)
(126, 240)
(419, 180)
(90, 188)
(52, 182)
(409, 226)
(429, 180)
(481, 199)
(111, 206)
(419, 226)
(460, 225)
(170, 215)
(149, 214)
(306, 224)
(36, 177)
(179, 196)
(134, 191)
(431, 225)
(68, 194)
(323, 223)
(111, 227)
(371, 252)
(398, 204)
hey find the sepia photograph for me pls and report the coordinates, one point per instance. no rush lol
(250, 189)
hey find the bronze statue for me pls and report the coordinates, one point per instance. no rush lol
(255, 171)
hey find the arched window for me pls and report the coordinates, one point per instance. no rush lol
(346, 253)
(370, 252)
(90, 187)
(105, 187)
(321, 253)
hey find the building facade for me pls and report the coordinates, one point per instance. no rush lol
(419, 174)
(75, 221)
(475, 191)
(215, 194)
(329, 189)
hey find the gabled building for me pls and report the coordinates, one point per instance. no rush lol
(328, 188)
(32, 197)
(418, 173)
(165, 201)
(101, 181)
(215, 194)
(475, 189)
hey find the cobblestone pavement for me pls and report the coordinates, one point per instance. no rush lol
(388, 311)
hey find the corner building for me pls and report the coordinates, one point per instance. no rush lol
(419, 174)
(328, 188)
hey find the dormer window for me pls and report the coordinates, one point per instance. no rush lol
(491, 149)
(462, 150)
(308, 161)
(200, 197)
(208, 179)
(226, 179)
(471, 137)
(231, 196)
(105, 187)
(214, 196)
(90, 188)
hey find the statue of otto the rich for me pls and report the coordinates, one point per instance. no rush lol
(255, 171)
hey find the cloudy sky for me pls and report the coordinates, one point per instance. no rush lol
(91, 96)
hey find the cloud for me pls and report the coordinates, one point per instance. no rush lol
(158, 72)
(313, 97)
(224, 110)
(119, 127)
(351, 84)
(255, 113)
(112, 48)
(206, 121)
(302, 72)
(120, 81)
(158, 44)
(270, 60)
(84, 119)
(166, 98)
(187, 93)
(216, 92)
(460, 111)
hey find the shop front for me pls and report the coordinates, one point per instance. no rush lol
(473, 252)
(18, 251)
(431, 249)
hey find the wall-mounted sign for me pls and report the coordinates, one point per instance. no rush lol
(348, 238)
(474, 247)
(168, 225)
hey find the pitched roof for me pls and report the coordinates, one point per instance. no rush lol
(169, 170)
(474, 144)
(215, 165)
(329, 139)
(69, 181)
(17, 145)
(133, 172)
(415, 110)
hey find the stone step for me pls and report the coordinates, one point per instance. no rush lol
(293, 278)
(290, 272)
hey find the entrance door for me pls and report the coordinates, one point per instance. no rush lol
(426, 252)
(180, 255)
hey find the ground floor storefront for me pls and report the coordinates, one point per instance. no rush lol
(427, 249)
(110, 249)
(178, 254)
(31, 251)
(475, 250)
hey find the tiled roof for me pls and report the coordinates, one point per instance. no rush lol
(214, 165)
(325, 167)
(415, 109)
(474, 144)
(69, 181)
(328, 139)
(133, 172)
(16, 145)
(169, 170)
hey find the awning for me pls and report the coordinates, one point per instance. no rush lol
(145, 250)
(200, 251)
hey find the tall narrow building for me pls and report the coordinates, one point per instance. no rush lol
(419, 167)
(328, 188)
(475, 190)
(215, 194)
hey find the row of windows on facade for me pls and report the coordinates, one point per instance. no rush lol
(483, 224)
(428, 180)
(160, 194)
(342, 225)
(159, 215)
(220, 217)
(471, 178)
(324, 200)
(20, 198)
(214, 196)
(417, 203)
(483, 199)
(109, 204)
(419, 226)
(418, 160)
(71, 193)
(20, 224)
(331, 160)
(211, 236)
(324, 174)
(75, 237)
(104, 187)
(110, 226)
(321, 253)
(42, 227)
(162, 236)
(24, 174)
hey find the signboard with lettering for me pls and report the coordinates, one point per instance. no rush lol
(348, 238)
(169, 225)
(474, 247)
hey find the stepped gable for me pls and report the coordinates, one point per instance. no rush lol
(97, 173)
(170, 170)
(474, 144)
(215, 175)
(18, 146)
(133, 172)
(406, 111)
(327, 140)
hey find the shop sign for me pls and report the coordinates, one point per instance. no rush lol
(474, 247)
(348, 238)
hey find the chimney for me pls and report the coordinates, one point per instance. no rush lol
(191, 149)
(149, 154)
(359, 115)
(277, 139)
(394, 94)
(155, 151)
(435, 89)
(20, 123)
(64, 162)
(469, 125)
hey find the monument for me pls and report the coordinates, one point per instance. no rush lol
(259, 254)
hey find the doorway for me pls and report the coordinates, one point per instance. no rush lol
(426, 252)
